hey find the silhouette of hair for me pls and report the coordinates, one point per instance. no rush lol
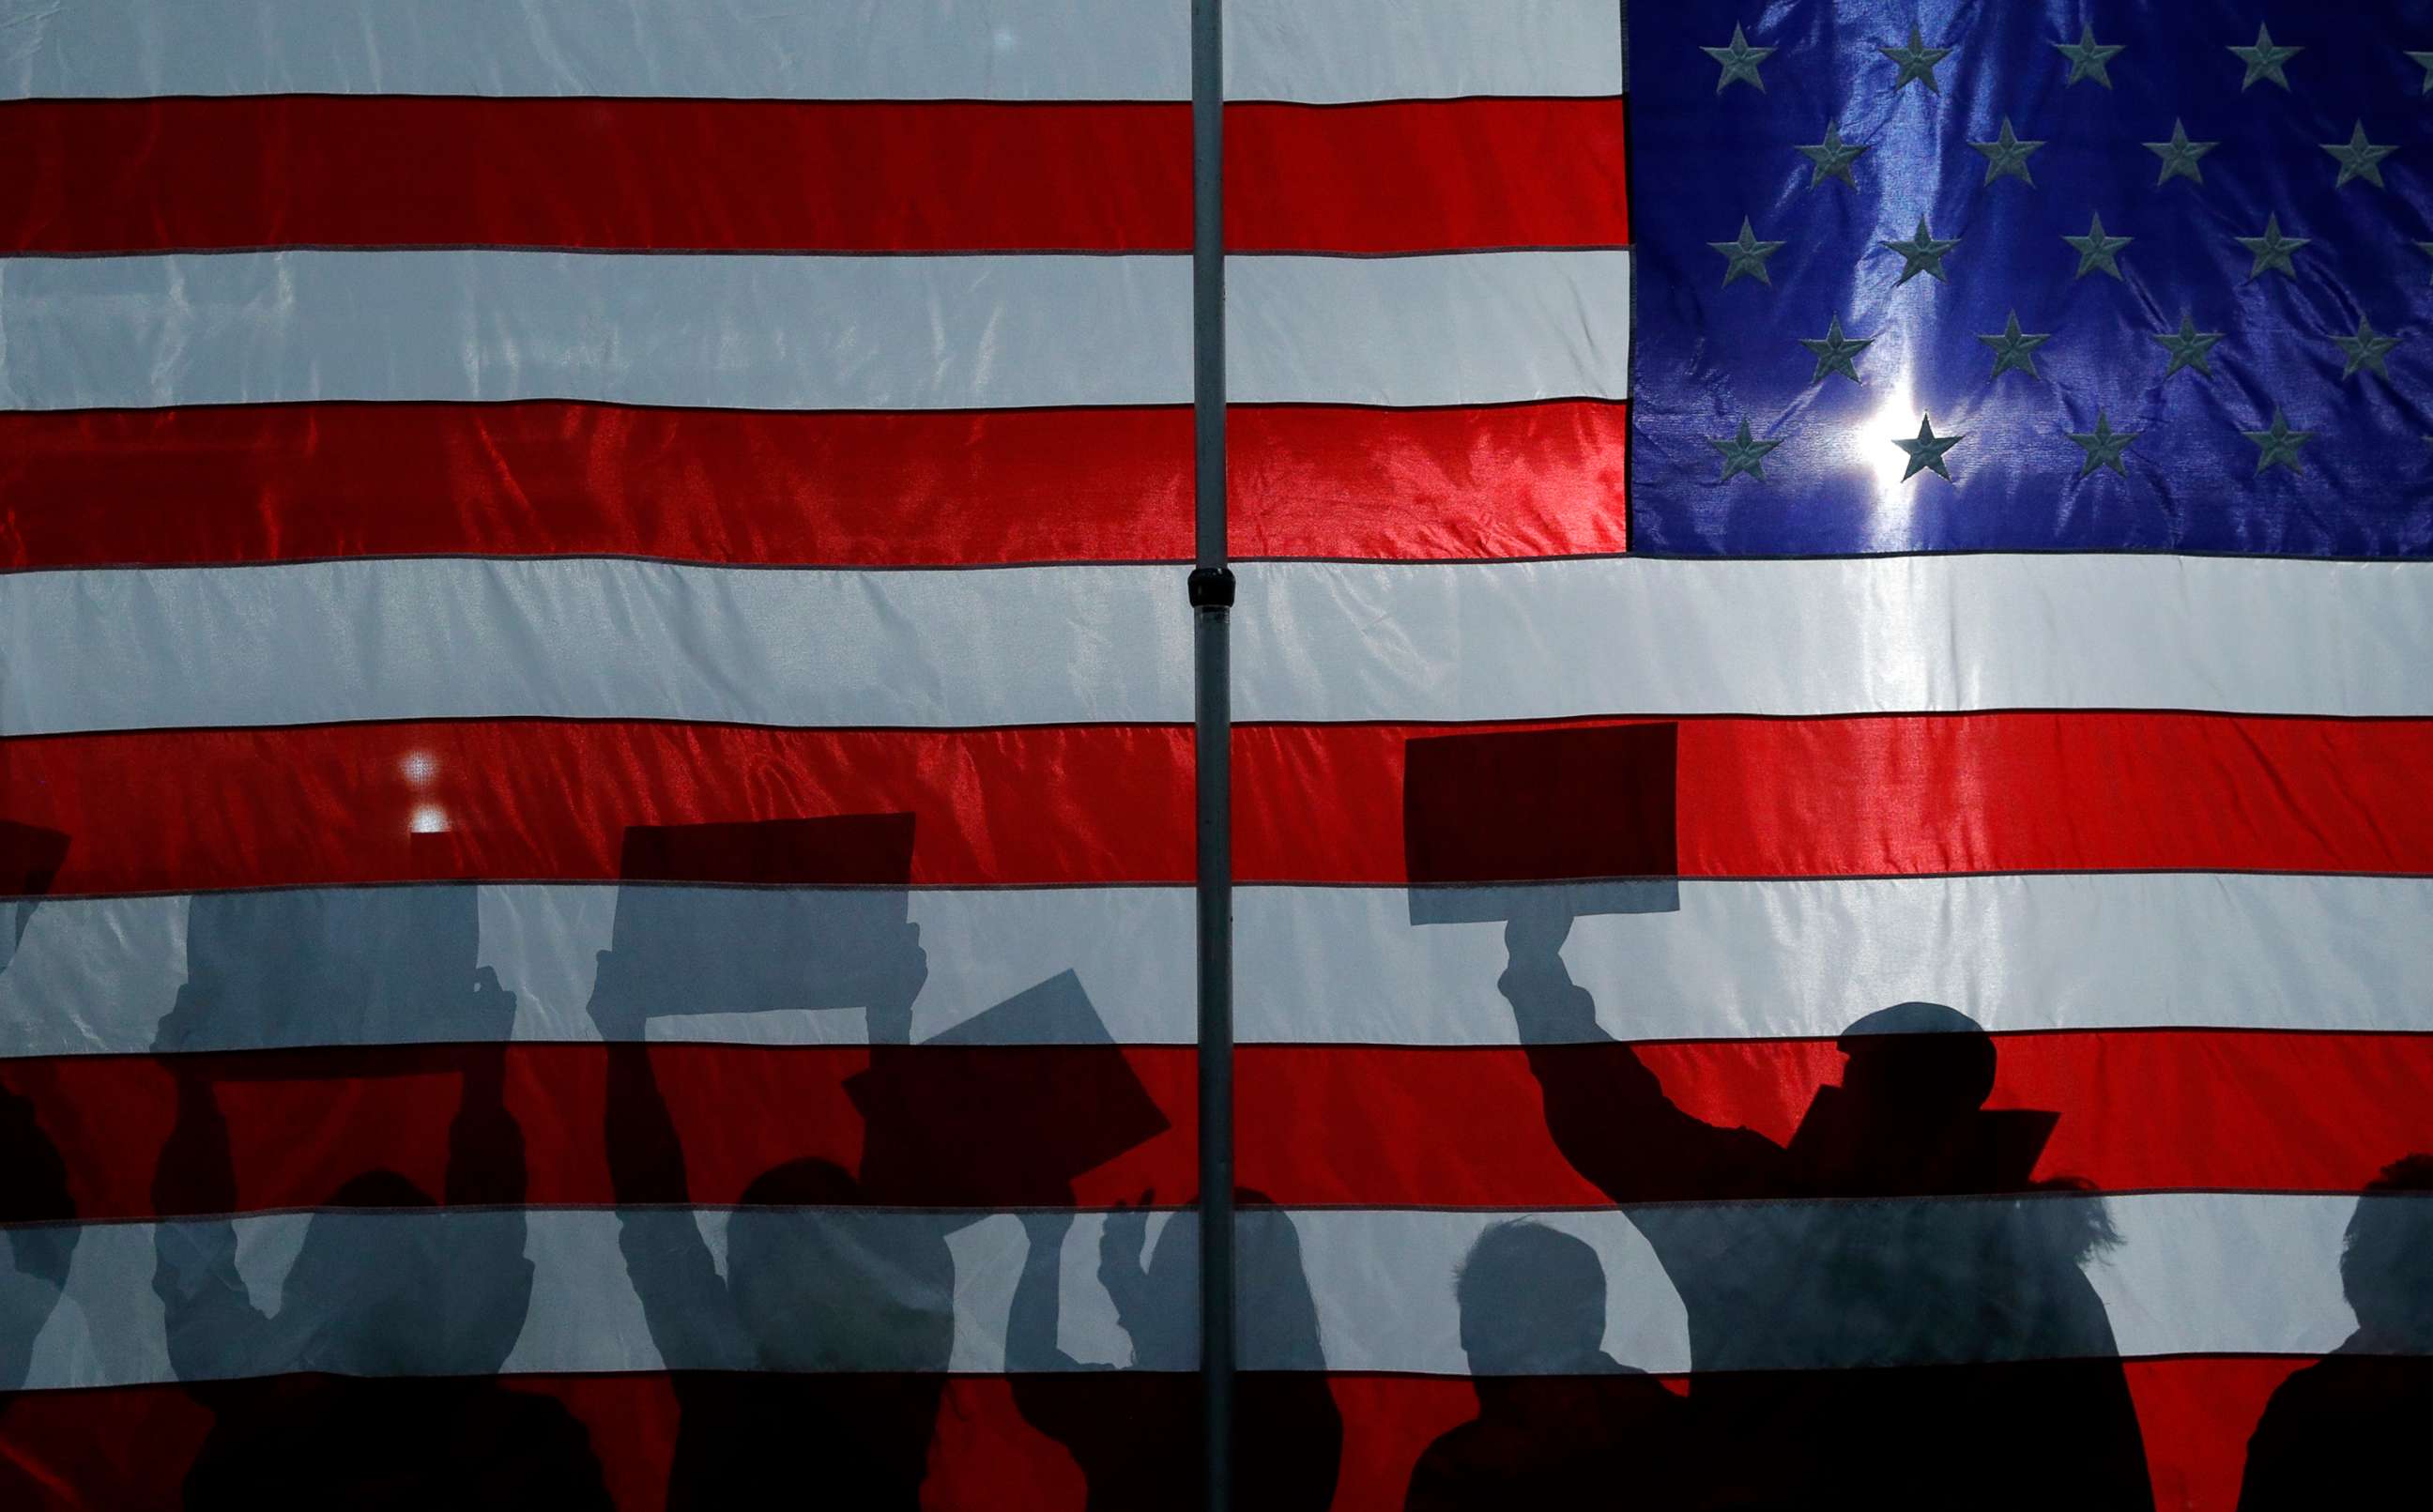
(2386, 1258)
(381, 1189)
(801, 1183)
(1532, 1299)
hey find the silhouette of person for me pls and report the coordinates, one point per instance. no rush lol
(1560, 1422)
(374, 1384)
(2349, 1429)
(40, 1210)
(1139, 1448)
(1940, 1350)
(818, 1359)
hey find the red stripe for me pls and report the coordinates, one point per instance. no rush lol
(1422, 486)
(1424, 175)
(282, 482)
(155, 175)
(2199, 1110)
(1912, 794)
(188, 811)
(2195, 1415)
(151, 175)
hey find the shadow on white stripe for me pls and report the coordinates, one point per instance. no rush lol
(1330, 965)
(2214, 1273)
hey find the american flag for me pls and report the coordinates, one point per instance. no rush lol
(596, 770)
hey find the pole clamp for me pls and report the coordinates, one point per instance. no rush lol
(1212, 587)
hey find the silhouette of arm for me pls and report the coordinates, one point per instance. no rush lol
(685, 1303)
(1032, 1325)
(212, 1326)
(489, 1277)
(36, 1185)
(1608, 1113)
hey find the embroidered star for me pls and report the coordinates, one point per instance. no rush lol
(1927, 449)
(1921, 253)
(2096, 250)
(2015, 349)
(2358, 158)
(1916, 61)
(2272, 249)
(1834, 157)
(1740, 61)
(2425, 247)
(2264, 59)
(2367, 348)
(2187, 349)
(2180, 156)
(2104, 446)
(2278, 447)
(2087, 57)
(2007, 155)
(1835, 353)
(2423, 60)
(1742, 454)
(1746, 256)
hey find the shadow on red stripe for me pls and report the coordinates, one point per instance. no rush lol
(2195, 1415)
(1361, 1126)
(191, 810)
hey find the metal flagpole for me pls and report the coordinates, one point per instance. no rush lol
(1212, 603)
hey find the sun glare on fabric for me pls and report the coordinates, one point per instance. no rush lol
(1897, 415)
(428, 819)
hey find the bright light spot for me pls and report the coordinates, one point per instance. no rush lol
(1896, 417)
(1005, 40)
(418, 767)
(430, 820)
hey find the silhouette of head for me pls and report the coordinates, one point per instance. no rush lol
(2387, 1263)
(1532, 1302)
(1918, 1062)
(840, 1288)
(351, 1266)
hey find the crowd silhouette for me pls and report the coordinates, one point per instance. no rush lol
(1822, 1317)
(374, 1382)
(1890, 1308)
(1560, 1422)
(2349, 1429)
(1139, 1450)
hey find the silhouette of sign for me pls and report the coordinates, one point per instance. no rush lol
(1588, 808)
(1005, 1109)
(808, 912)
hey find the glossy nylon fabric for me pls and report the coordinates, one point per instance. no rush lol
(872, 350)
(1715, 353)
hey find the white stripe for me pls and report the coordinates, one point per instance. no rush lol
(742, 331)
(1341, 50)
(755, 331)
(1763, 959)
(2194, 1273)
(1471, 328)
(1315, 50)
(874, 50)
(1548, 639)
(589, 638)
(118, 649)
(96, 976)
